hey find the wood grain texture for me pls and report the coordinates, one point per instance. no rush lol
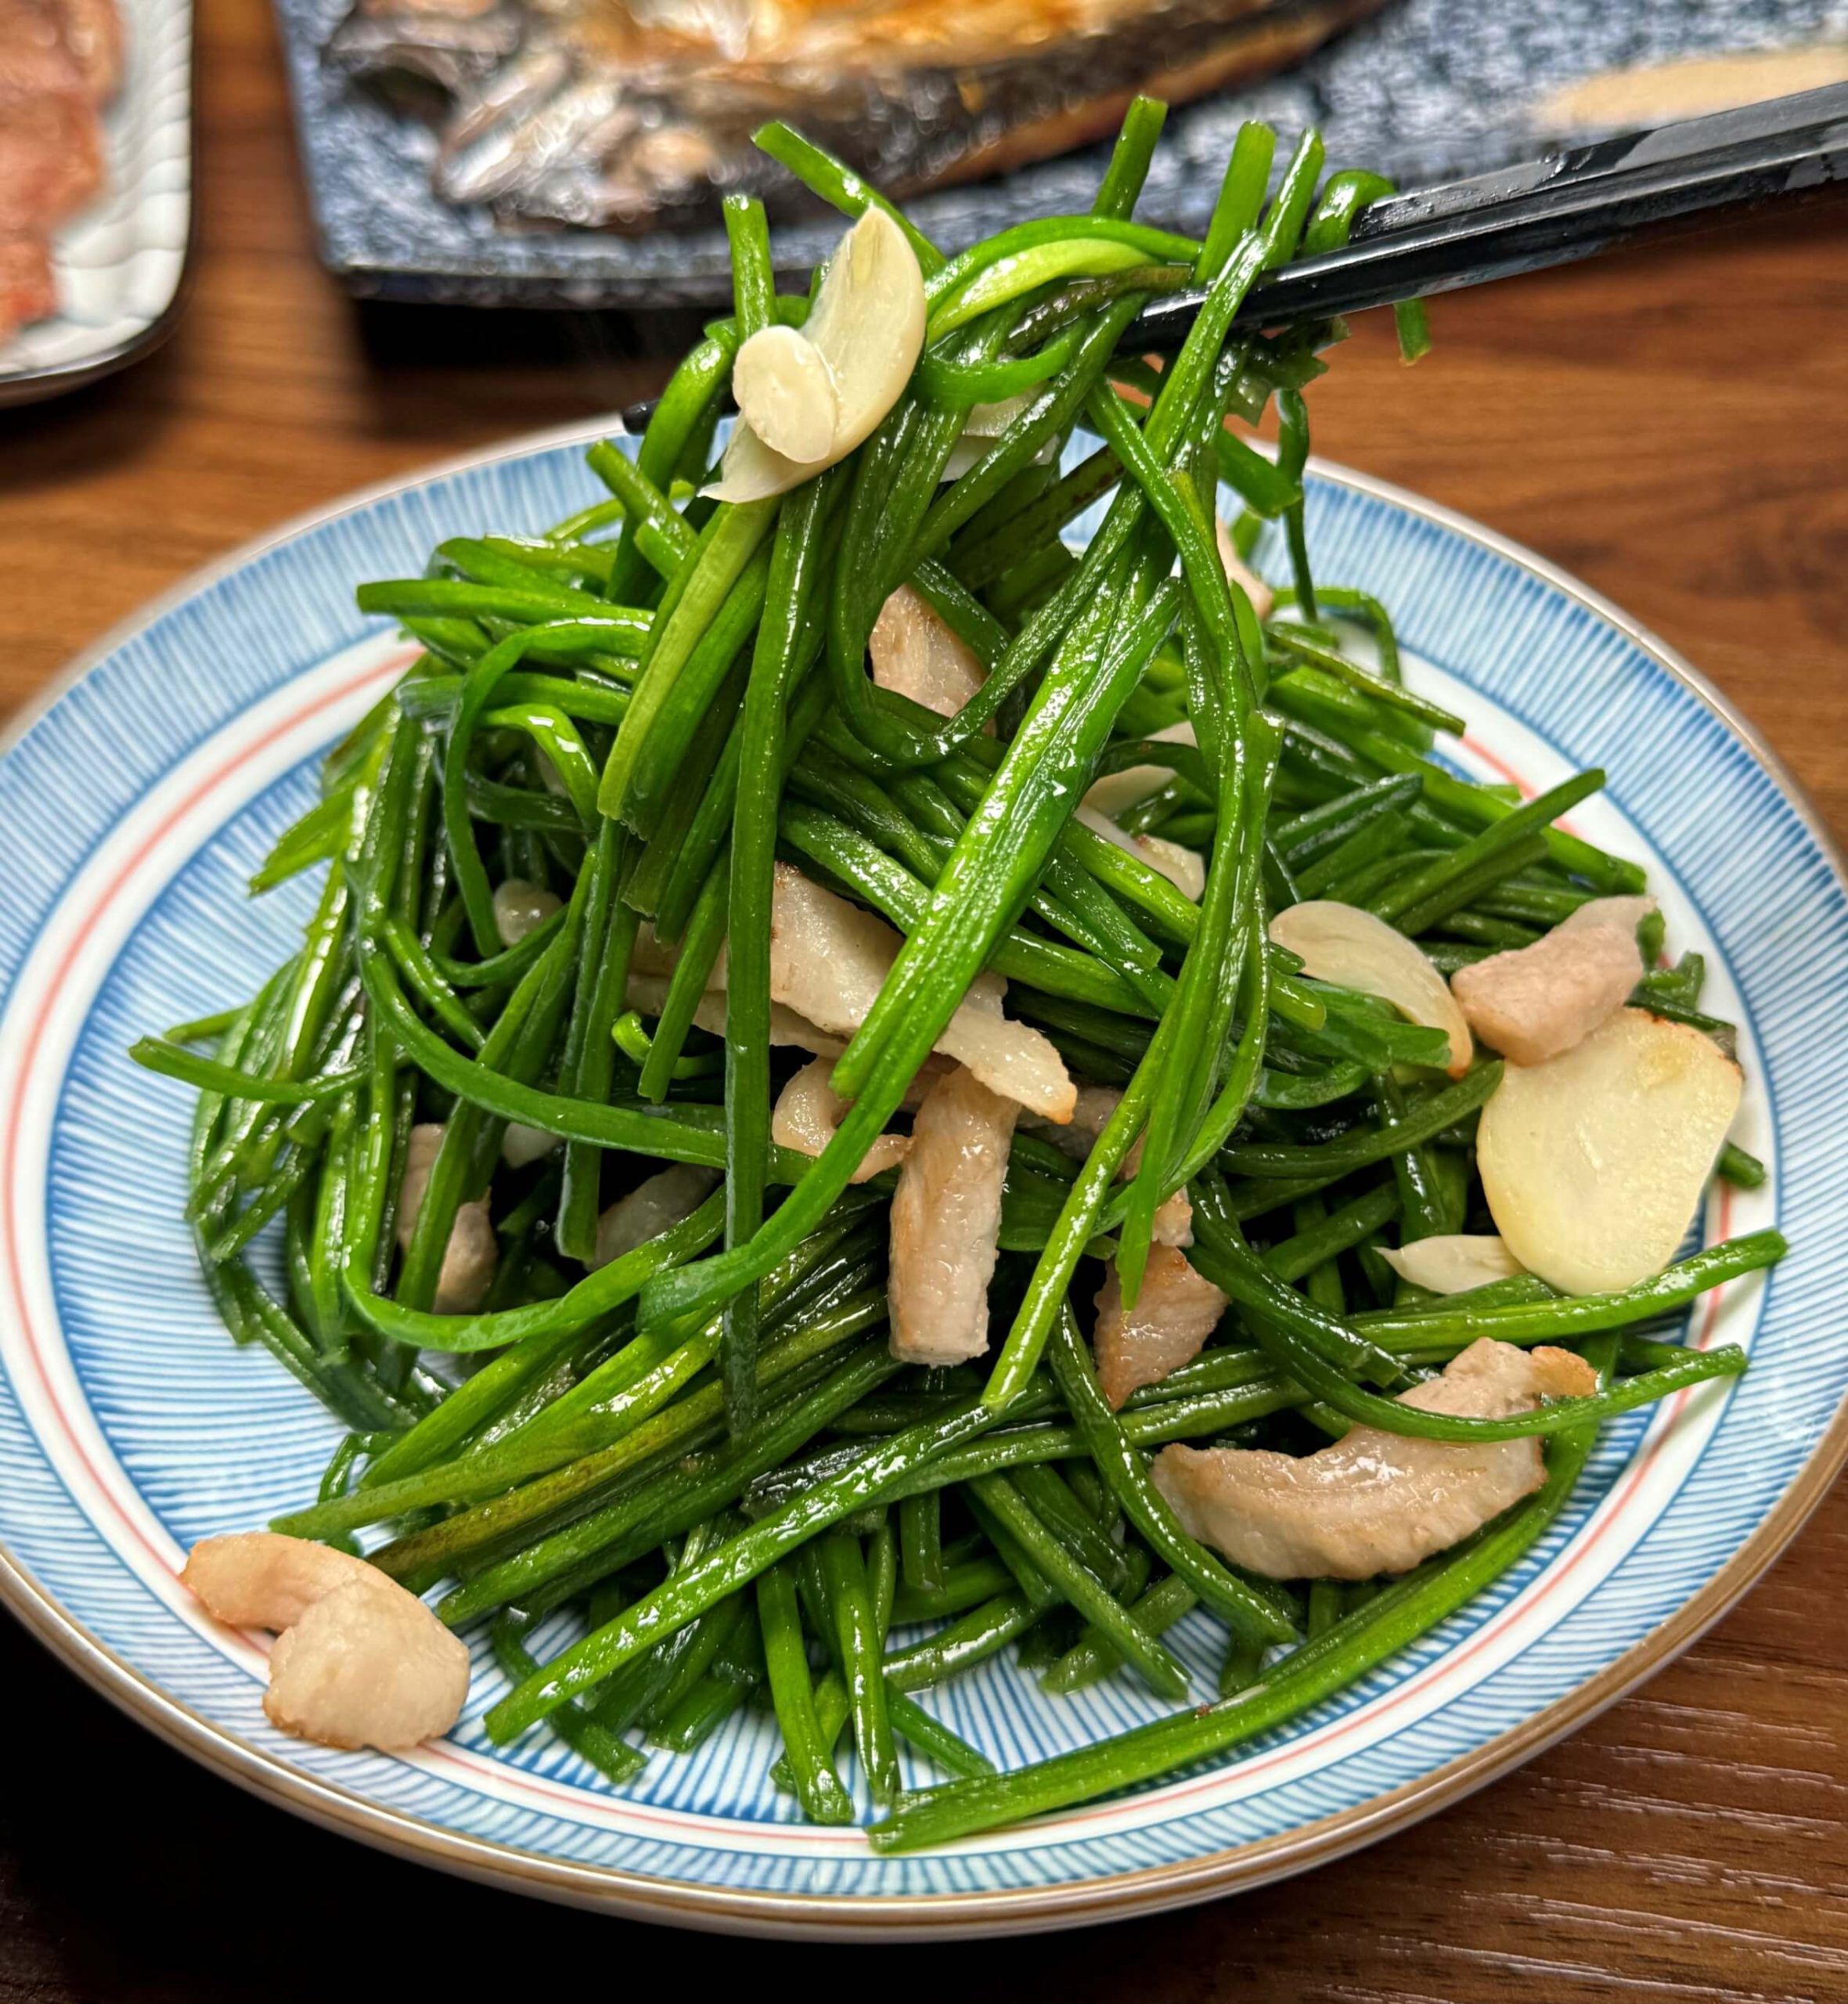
(1674, 430)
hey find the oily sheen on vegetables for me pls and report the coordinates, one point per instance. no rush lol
(865, 1085)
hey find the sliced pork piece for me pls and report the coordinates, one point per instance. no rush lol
(656, 1204)
(367, 1666)
(808, 1111)
(28, 288)
(469, 1257)
(1537, 1001)
(1173, 1221)
(1116, 792)
(916, 652)
(1627, 913)
(1374, 1502)
(37, 58)
(647, 994)
(263, 1580)
(828, 959)
(946, 1221)
(359, 1661)
(1174, 1315)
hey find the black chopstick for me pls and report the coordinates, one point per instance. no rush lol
(1548, 212)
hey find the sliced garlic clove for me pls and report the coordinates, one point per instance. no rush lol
(867, 325)
(1452, 1263)
(1594, 1163)
(984, 423)
(750, 471)
(1353, 948)
(1184, 868)
(1115, 793)
(521, 908)
(786, 394)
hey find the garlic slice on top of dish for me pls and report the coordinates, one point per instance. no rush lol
(985, 423)
(865, 330)
(1452, 1263)
(1115, 793)
(1595, 1162)
(786, 385)
(1355, 949)
(1372, 1501)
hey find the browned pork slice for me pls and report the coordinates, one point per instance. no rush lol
(92, 32)
(469, 1257)
(917, 653)
(263, 1580)
(656, 1205)
(946, 1220)
(1536, 1001)
(1173, 1222)
(1174, 1312)
(828, 959)
(37, 59)
(359, 1661)
(367, 1666)
(1372, 1501)
(808, 1111)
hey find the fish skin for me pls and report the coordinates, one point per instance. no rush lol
(913, 95)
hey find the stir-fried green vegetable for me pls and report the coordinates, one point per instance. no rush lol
(612, 1332)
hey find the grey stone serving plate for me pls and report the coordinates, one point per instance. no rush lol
(1426, 90)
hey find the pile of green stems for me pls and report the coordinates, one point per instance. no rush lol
(694, 1479)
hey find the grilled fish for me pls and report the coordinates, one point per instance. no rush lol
(634, 114)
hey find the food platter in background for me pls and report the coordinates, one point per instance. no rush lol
(1425, 89)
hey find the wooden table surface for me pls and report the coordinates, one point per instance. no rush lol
(1674, 429)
